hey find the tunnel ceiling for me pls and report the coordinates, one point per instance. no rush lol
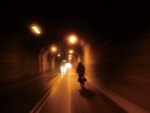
(94, 22)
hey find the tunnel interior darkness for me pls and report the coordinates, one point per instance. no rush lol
(115, 48)
(83, 52)
(121, 64)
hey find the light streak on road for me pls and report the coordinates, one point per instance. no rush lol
(63, 70)
(66, 96)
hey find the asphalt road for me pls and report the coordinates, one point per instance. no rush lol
(66, 96)
(54, 93)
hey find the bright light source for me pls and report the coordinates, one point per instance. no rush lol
(63, 70)
(70, 57)
(35, 29)
(71, 51)
(68, 65)
(53, 49)
(72, 39)
(58, 55)
(64, 60)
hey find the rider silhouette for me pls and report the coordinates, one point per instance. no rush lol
(81, 70)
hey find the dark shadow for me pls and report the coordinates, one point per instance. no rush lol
(87, 93)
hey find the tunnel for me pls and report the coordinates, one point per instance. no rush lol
(115, 56)
(49, 61)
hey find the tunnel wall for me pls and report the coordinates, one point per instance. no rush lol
(47, 61)
(43, 61)
(124, 67)
(89, 62)
(16, 62)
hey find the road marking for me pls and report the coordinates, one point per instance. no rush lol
(44, 99)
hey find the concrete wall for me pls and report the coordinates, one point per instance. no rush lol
(16, 62)
(124, 67)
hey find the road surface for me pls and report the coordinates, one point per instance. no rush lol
(66, 96)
